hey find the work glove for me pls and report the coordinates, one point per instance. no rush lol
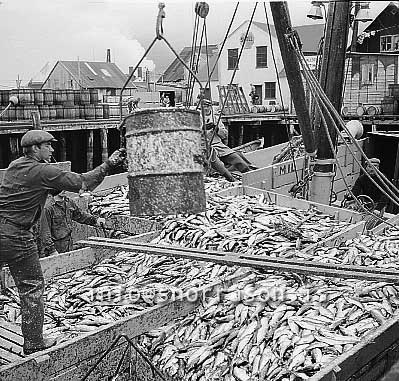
(100, 222)
(118, 157)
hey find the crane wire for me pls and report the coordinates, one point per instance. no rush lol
(234, 71)
(281, 94)
(207, 67)
(193, 48)
(383, 179)
(222, 46)
(333, 112)
(195, 67)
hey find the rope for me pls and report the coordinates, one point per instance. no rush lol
(222, 46)
(281, 94)
(193, 47)
(330, 110)
(197, 63)
(327, 104)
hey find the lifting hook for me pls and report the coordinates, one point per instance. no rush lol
(161, 16)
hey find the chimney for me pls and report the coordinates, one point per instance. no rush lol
(108, 55)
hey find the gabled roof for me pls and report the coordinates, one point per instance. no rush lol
(95, 74)
(387, 18)
(175, 71)
(309, 34)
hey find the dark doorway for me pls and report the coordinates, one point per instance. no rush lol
(258, 92)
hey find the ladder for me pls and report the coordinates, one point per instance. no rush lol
(236, 102)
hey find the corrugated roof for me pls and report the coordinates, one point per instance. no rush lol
(175, 71)
(96, 74)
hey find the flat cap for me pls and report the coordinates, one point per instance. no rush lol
(375, 160)
(33, 137)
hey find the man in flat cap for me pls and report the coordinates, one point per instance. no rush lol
(365, 186)
(23, 192)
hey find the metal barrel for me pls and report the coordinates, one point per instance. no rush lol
(44, 112)
(59, 112)
(93, 96)
(28, 109)
(84, 97)
(69, 112)
(360, 110)
(90, 112)
(98, 112)
(38, 97)
(69, 97)
(165, 162)
(52, 111)
(48, 96)
(374, 110)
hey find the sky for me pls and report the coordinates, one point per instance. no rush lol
(36, 32)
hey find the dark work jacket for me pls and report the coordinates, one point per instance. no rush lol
(56, 224)
(364, 185)
(27, 181)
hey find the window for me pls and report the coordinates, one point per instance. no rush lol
(232, 59)
(367, 74)
(140, 72)
(270, 90)
(389, 43)
(261, 56)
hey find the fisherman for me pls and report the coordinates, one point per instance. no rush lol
(254, 97)
(224, 159)
(55, 235)
(133, 104)
(23, 193)
(365, 186)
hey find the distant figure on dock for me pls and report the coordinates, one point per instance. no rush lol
(133, 104)
(223, 158)
(165, 101)
(254, 97)
(55, 232)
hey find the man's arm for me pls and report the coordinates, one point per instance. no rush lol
(55, 178)
(79, 215)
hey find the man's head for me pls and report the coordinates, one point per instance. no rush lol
(37, 143)
(373, 166)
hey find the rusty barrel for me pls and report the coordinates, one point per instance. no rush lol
(165, 162)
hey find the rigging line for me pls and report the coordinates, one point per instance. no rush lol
(207, 68)
(343, 176)
(222, 46)
(383, 179)
(281, 94)
(235, 69)
(327, 104)
(197, 63)
(193, 45)
(380, 175)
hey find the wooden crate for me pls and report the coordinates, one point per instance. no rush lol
(72, 359)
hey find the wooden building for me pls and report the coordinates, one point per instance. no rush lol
(106, 77)
(371, 85)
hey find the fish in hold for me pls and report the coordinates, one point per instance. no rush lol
(250, 225)
(114, 288)
(251, 338)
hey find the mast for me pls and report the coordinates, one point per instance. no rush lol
(332, 81)
(282, 23)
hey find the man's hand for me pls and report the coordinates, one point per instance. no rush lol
(118, 157)
(100, 222)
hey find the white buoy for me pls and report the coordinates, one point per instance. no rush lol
(14, 100)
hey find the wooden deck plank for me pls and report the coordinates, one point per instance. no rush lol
(11, 347)
(258, 262)
(12, 336)
(9, 356)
